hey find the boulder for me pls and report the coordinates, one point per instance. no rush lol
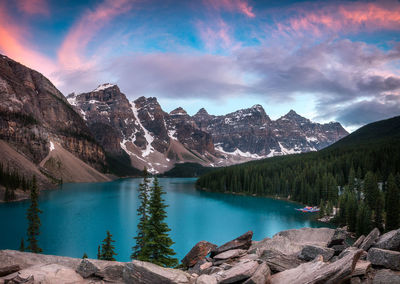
(212, 270)
(241, 271)
(48, 273)
(111, 273)
(278, 261)
(291, 242)
(359, 241)
(339, 248)
(318, 271)
(206, 279)
(140, 272)
(362, 268)
(198, 252)
(390, 241)
(230, 254)
(386, 258)
(338, 237)
(242, 242)
(87, 268)
(370, 239)
(309, 252)
(386, 276)
(257, 246)
(347, 251)
(6, 270)
(261, 276)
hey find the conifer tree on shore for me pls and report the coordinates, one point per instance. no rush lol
(34, 219)
(107, 248)
(157, 243)
(142, 212)
(22, 245)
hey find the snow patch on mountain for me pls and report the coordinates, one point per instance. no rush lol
(238, 152)
(103, 87)
(149, 138)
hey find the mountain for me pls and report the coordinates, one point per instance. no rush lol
(82, 136)
(372, 150)
(41, 134)
(158, 140)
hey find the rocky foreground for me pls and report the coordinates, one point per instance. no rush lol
(306, 255)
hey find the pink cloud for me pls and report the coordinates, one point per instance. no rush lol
(342, 18)
(33, 7)
(215, 35)
(240, 6)
(14, 44)
(71, 53)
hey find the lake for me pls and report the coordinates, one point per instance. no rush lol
(76, 217)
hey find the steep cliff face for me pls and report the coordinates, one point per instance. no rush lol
(33, 113)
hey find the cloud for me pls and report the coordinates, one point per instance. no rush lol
(345, 17)
(33, 7)
(14, 42)
(71, 53)
(240, 6)
(215, 34)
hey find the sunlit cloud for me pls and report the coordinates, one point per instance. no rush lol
(14, 42)
(240, 6)
(33, 7)
(341, 18)
(72, 52)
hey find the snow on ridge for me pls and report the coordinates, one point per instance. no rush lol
(286, 151)
(238, 152)
(312, 139)
(147, 135)
(103, 87)
(52, 146)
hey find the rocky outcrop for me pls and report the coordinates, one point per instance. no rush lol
(237, 262)
(389, 241)
(198, 252)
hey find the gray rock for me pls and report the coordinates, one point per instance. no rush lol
(6, 270)
(317, 271)
(346, 251)
(291, 242)
(370, 239)
(359, 241)
(355, 280)
(112, 273)
(140, 272)
(386, 258)
(241, 271)
(212, 270)
(261, 276)
(86, 268)
(390, 241)
(206, 279)
(278, 261)
(339, 248)
(230, 254)
(338, 237)
(257, 246)
(50, 273)
(241, 242)
(386, 276)
(309, 252)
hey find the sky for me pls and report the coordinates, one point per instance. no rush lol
(327, 60)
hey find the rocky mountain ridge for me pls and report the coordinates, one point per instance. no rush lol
(303, 256)
(157, 139)
(35, 116)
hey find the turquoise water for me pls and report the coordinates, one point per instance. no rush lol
(75, 218)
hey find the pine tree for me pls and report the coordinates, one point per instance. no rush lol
(22, 245)
(364, 224)
(371, 190)
(142, 212)
(98, 253)
(84, 255)
(107, 248)
(378, 212)
(34, 219)
(392, 206)
(157, 243)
